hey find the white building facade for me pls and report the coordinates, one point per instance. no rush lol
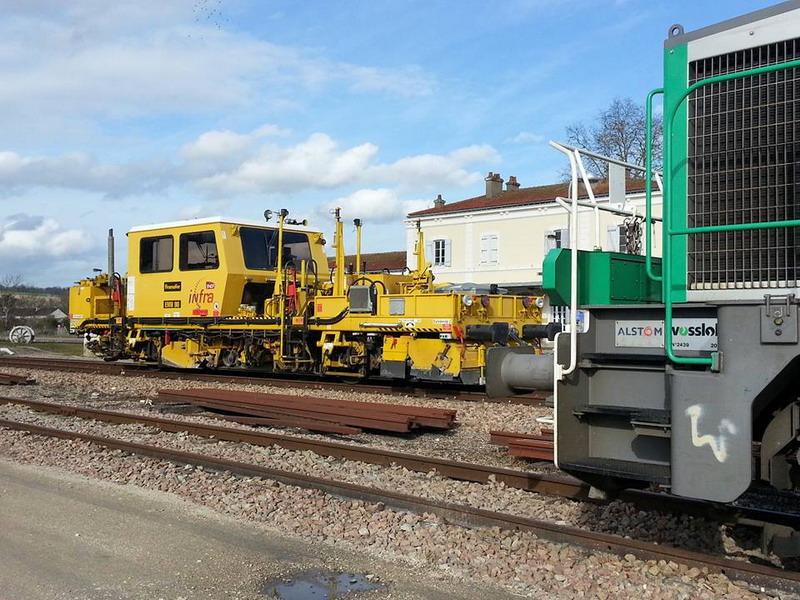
(503, 236)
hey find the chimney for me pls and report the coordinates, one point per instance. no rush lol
(512, 185)
(439, 202)
(595, 182)
(494, 184)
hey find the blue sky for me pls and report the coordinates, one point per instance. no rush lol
(116, 114)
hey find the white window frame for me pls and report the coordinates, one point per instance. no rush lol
(490, 250)
(558, 314)
(556, 238)
(616, 241)
(439, 252)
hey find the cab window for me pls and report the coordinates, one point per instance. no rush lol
(260, 248)
(295, 248)
(155, 254)
(198, 251)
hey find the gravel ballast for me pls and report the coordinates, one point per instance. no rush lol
(527, 565)
(520, 562)
(468, 442)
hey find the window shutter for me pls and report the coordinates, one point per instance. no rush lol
(565, 241)
(429, 256)
(447, 250)
(549, 241)
(613, 238)
(489, 254)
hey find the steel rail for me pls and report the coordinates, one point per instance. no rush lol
(458, 514)
(563, 486)
(6, 379)
(145, 370)
(566, 487)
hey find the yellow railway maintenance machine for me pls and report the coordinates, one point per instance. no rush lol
(219, 293)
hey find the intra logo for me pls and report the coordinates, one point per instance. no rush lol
(201, 297)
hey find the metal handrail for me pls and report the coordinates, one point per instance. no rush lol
(563, 202)
(608, 159)
(714, 360)
(576, 164)
(648, 187)
(559, 371)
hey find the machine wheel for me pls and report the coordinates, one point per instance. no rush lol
(21, 334)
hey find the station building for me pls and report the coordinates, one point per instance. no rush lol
(503, 235)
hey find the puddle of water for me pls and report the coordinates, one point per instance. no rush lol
(320, 585)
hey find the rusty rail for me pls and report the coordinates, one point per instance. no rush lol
(311, 412)
(543, 483)
(754, 574)
(564, 486)
(6, 379)
(440, 391)
(526, 445)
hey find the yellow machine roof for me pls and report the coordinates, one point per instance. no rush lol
(215, 220)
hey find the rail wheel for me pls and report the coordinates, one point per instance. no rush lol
(21, 334)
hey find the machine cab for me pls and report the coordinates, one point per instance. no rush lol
(214, 267)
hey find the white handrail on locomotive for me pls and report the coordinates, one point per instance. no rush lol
(576, 163)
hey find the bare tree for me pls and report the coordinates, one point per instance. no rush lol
(9, 301)
(618, 132)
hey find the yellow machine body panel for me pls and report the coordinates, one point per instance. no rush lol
(90, 300)
(224, 293)
(209, 269)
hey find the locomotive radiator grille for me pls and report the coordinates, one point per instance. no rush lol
(742, 152)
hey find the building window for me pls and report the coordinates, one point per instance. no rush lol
(155, 254)
(198, 251)
(439, 252)
(490, 250)
(618, 238)
(557, 238)
(559, 314)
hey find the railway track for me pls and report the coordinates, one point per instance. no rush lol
(442, 391)
(567, 487)
(752, 574)
(543, 483)
(6, 379)
(539, 446)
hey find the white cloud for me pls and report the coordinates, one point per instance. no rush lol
(24, 236)
(317, 162)
(525, 137)
(201, 210)
(226, 164)
(81, 171)
(431, 171)
(95, 58)
(374, 205)
(406, 82)
(218, 144)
